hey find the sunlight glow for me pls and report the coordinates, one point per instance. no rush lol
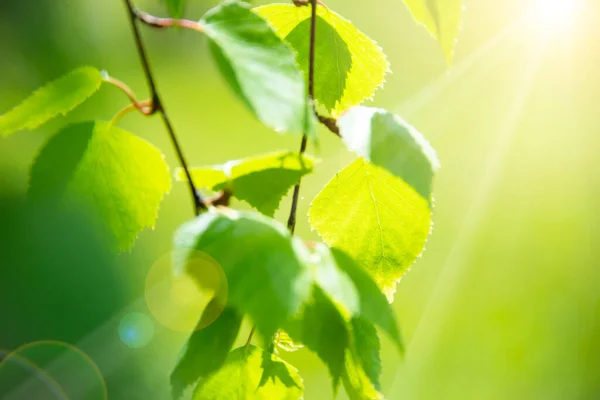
(555, 16)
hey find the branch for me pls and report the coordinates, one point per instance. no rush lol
(159, 23)
(330, 123)
(145, 107)
(311, 94)
(158, 106)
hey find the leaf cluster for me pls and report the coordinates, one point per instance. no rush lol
(374, 215)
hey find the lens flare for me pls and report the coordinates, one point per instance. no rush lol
(136, 330)
(50, 370)
(178, 301)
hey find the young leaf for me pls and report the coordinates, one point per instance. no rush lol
(206, 350)
(324, 330)
(366, 347)
(175, 7)
(266, 278)
(240, 379)
(386, 140)
(356, 382)
(376, 218)
(442, 18)
(374, 306)
(57, 97)
(259, 67)
(351, 65)
(260, 181)
(286, 343)
(121, 177)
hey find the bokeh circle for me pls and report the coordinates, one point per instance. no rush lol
(178, 300)
(50, 370)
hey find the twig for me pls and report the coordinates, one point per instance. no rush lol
(158, 106)
(157, 22)
(311, 94)
(330, 123)
(145, 107)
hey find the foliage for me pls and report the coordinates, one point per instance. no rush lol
(260, 181)
(351, 65)
(374, 215)
(442, 18)
(121, 177)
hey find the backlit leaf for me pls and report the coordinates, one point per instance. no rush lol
(57, 97)
(286, 343)
(266, 278)
(374, 306)
(366, 349)
(241, 379)
(206, 350)
(323, 329)
(442, 18)
(260, 181)
(386, 140)
(260, 67)
(376, 218)
(350, 65)
(121, 177)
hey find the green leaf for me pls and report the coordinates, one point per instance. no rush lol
(386, 140)
(356, 382)
(260, 181)
(57, 97)
(366, 347)
(286, 343)
(350, 65)
(266, 278)
(323, 329)
(240, 379)
(376, 218)
(442, 18)
(260, 67)
(374, 306)
(121, 177)
(175, 7)
(206, 350)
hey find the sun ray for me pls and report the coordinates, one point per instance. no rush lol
(428, 330)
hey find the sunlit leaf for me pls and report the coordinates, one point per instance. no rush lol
(259, 67)
(286, 343)
(386, 140)
(241, 379)
(323, 329)
(442, 18)
(57, 97)
(366, 349)
(266, 277)
(260, 181)
(206, 350)
(350, 65)
(374, 306)
(376, 218)
(356, 382)
(121, 177)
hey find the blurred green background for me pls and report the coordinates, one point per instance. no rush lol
(505, 302)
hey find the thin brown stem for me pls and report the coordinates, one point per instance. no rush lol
(157, 22)
(330, 123)
(250, 336)
(158, 106)
(145, 107)
(311, 95)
